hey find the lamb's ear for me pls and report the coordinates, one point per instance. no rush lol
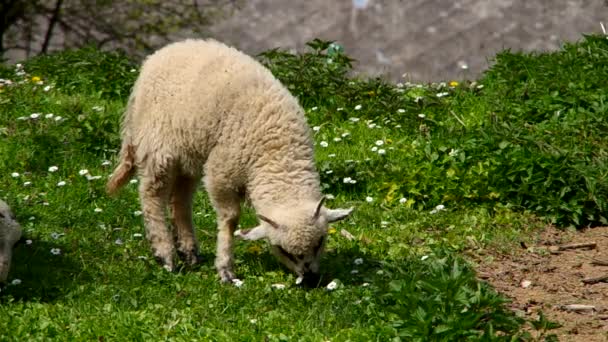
(315, 216)
(256, 233)
(334, 215)
(269, 221)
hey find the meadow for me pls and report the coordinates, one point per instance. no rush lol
(436, 172)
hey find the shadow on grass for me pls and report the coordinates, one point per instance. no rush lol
(44, 276)
(206, 262)
(335, 264)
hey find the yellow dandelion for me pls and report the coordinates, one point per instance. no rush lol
(454, 84)
(36, 79)
(256, 249)
(331, 230)
(371, 93)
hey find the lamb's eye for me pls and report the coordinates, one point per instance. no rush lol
(287, 254)
(318, 246)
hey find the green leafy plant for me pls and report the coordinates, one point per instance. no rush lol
(442, 301)
(529, 134)
(88, 70)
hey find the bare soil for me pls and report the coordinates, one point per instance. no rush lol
(537, 277)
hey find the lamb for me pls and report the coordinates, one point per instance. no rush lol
(201, 109)
(10, 233)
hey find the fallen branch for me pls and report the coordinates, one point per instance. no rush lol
(596, 280)
(590, 245)
(577, 307)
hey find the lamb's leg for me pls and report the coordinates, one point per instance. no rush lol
(154, 193)
(181, 205)
(227, 207)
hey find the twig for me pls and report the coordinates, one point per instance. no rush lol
(577, 307)
(590, 245)
(595, 280)
(482, 275)
(52, 23)
(599, 262)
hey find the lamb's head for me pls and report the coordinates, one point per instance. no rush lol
(10, 233)
(297, 235)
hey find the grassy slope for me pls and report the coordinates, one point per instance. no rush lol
(460, 155)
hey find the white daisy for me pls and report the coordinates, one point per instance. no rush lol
(332, 285)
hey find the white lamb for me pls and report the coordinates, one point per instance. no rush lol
(10, 233)
(201, 108)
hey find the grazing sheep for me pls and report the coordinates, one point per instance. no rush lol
(10, 233)
(202, 109)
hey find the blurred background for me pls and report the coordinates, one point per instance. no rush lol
(415, 40)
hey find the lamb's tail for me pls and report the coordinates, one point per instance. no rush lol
(125, 169)
(126, 166)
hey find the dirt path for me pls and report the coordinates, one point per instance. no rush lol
(537, 277)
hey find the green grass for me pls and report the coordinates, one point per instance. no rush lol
(479, 166)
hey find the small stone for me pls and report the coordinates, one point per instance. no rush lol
(525, 284)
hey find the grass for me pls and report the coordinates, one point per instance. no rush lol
(434, 170)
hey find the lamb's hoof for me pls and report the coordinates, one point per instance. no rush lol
(226, 275)
(166, 265)
(190, 257)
